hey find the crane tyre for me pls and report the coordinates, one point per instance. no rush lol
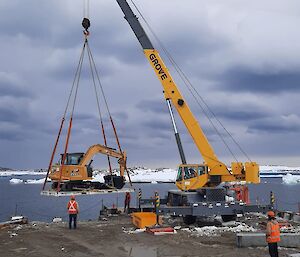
(189, 219)
(227, 218)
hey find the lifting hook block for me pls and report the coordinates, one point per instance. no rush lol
(86, 24)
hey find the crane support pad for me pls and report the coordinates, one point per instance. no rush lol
(86, 192)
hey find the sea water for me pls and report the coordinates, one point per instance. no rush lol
(25, 199)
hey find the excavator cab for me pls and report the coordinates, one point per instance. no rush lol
(191, 176)
(71, 158)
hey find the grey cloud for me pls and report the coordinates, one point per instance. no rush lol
(9, 115)
(120, 116)
(239, 114)
(84, 116)
(156, 106)
(242, 79)
(275, 125)
(11, 86)
(9, 135)
(42, 40)
(157, 124)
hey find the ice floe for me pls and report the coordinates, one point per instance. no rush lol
(163, 175)
(291, 179)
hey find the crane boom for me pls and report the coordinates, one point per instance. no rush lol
(213, 171)
(171, 91)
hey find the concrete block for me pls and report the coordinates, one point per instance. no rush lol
(259, 239)
(296, 218)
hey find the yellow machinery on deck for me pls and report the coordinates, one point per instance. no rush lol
(77, 173)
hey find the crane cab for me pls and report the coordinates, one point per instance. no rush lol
(191, 177)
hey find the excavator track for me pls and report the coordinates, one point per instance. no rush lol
(111, 182)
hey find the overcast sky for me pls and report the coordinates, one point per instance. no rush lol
(243, 57)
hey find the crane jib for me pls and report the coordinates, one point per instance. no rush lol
(158, 66)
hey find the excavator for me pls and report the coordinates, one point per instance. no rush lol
(198, 184)
(76, 172)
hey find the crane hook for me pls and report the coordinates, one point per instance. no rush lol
(86, 24)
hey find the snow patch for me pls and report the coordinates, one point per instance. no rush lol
(143, 175)
(216, 231)
(35, 181)
(15, 181)
(162, 175)
(134, 231)
(28, 181)
(290, 179)
(21, 173)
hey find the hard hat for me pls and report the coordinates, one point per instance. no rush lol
(271, 214)
(72, 197)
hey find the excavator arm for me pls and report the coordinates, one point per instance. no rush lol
(217, 169)
(95, 149)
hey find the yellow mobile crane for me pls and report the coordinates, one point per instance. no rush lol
(198, 194)
(190, 176)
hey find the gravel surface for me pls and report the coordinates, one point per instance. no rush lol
(115, 236)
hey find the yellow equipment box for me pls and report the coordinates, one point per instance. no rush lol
(144, 219)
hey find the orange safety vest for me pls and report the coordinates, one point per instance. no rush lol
(274, 232)
(72, 207)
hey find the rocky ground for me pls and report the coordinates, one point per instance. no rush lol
(116, 236)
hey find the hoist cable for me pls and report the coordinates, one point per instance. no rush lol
(180, 74)
(92, 68)
(76, 75)
(71, 118)
(86, 8)
(198, 103)
(78, 79)
(94, 84)
(191, 88)
(64, 116)
(105, 101)
(99, 82)
(53, 152)
(107, 108)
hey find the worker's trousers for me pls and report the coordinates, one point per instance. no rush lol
(72, 218)
(126, 207)
(273, 249)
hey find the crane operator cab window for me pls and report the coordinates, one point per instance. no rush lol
(72, 158)
(187, 172)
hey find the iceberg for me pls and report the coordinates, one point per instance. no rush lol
(15, 181)
(291, 179)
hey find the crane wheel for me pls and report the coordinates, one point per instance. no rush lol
(227, 218)
(189, 219)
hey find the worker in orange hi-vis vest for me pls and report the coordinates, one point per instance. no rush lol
(272, 234)
(73, 210)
